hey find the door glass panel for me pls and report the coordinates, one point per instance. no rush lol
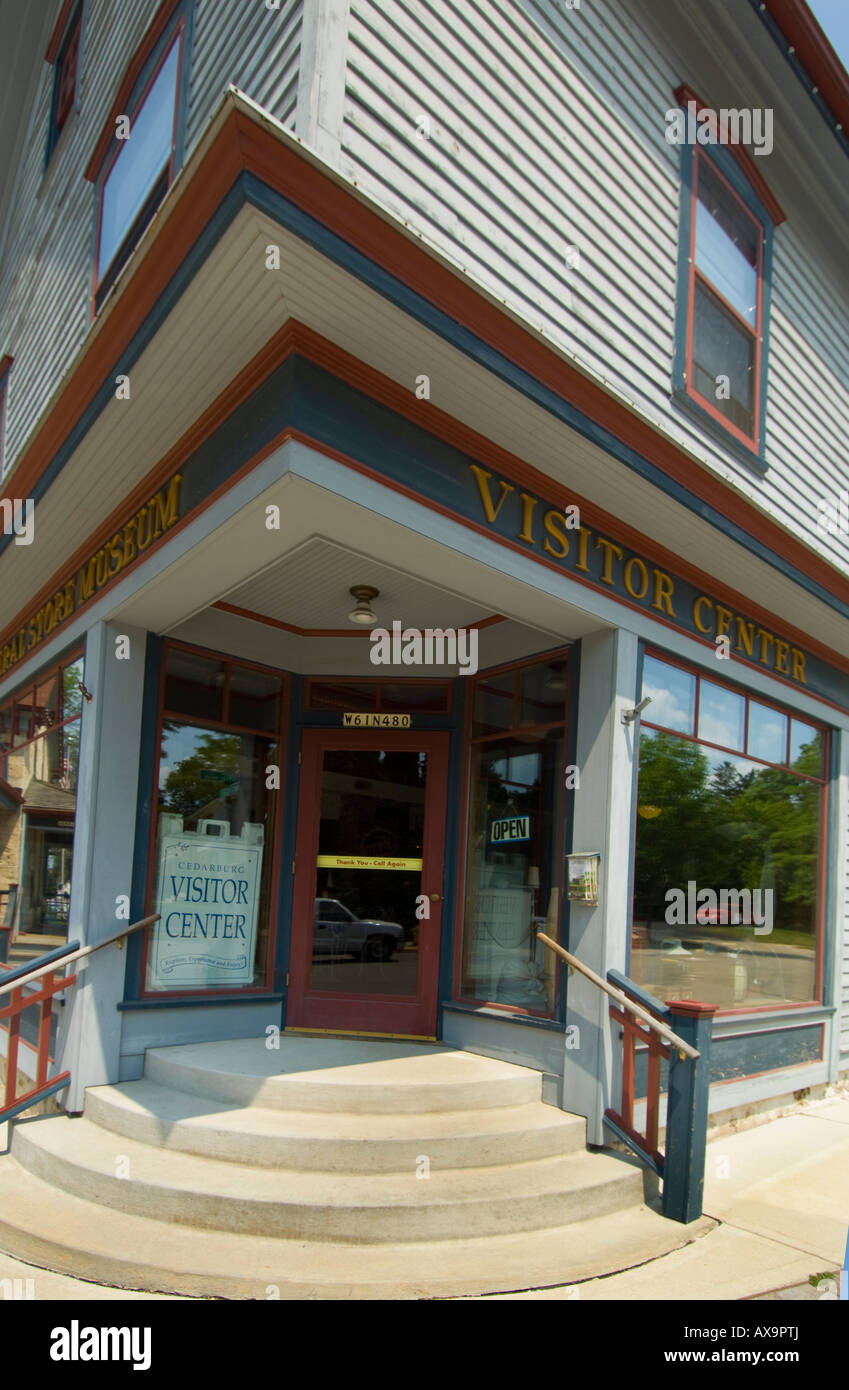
(368, 871)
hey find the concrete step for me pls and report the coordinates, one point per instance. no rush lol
(160, 1116)
(463, 1203)
(55, 1230)
(28, 946)
(21, 955)
(348, 1075)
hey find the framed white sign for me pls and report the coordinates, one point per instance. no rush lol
(208, 901)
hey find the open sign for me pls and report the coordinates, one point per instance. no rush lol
(516, 828)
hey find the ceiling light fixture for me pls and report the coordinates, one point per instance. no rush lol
(363, 614)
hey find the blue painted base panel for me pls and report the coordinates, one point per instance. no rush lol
(734, 1058)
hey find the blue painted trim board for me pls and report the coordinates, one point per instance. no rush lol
(172, 1001)
(741, 1056)
(289, 796)
(635, 792)
(145, 794)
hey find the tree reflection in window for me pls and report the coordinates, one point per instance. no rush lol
(724, 822)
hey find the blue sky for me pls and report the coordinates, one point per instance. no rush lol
(833, 18)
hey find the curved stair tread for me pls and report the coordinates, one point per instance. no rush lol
(55, 1230)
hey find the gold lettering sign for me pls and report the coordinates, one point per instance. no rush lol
(557, 532)
(152, 520)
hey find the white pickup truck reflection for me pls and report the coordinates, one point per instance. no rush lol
(338, 932)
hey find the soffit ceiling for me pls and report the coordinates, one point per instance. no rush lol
(235, 305)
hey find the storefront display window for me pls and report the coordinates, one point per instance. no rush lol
(39, 756)
(514, 864)
(212, 871)
(729, 840)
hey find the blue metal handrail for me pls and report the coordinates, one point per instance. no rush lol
(682, 1166)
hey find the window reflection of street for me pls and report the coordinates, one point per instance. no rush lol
(735, 824)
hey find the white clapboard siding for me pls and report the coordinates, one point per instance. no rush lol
(45, 277)
(256, 49)
(46, 271)
(546, 132)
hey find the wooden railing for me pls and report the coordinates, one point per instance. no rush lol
(645, 1021)
(15, 982)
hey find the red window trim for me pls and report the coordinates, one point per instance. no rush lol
(274, 842)
(68, 64)
(751, 441)
(59, 32)
(747, 163)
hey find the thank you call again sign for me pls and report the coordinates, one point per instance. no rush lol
(208, 902)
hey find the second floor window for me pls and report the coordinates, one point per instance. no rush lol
(723, 357)
(65, 79)
(140, 173)
(5, 367)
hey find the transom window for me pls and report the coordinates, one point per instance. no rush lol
(421, 697)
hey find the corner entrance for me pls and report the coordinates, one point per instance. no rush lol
(370, 852)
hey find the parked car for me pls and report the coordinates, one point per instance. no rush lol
(338, 932)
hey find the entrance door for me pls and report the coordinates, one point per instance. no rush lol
(371, 830)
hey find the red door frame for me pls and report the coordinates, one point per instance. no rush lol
(392, 1015)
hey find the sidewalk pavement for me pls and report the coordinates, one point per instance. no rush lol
(779, 1194)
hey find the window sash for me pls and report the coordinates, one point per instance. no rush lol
(723, 262)
(66, 75)
(141, 159)
(737, 358)
(725, 289)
